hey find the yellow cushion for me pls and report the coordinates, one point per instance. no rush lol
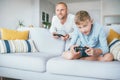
(0, 33)
(112, 35)
(7, 34)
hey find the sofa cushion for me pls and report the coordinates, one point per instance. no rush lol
(29, 62)
(11, 46)
(115, 48)
(8, 34)
(0, 33)
(24, 29)
(96, 69)
(45, 42)
(112, 35)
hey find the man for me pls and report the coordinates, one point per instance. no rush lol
(62, 23)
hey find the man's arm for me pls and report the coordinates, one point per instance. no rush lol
(74, 26)
(53, 27)
(75, 36)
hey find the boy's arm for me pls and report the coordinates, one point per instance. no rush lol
(103, 42)
(93, 51)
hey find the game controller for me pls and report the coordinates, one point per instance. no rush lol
(59, 35)
(80, 49)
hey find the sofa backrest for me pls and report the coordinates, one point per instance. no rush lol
(107, 29)
(114, 27)
(45, 42)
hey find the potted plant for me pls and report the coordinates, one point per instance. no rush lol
(47, 25)
(20, 23)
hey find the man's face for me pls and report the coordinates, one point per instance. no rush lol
(61, 11)
(85, 27)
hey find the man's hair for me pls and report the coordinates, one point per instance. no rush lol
(82, 16)
(62, 3)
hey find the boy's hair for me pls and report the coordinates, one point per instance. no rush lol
(82, 16)
(62, 3)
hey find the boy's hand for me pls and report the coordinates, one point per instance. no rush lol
(72, 50)
(65, 37)
(90, 51)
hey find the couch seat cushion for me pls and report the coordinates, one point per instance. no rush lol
(29, 61)
(96, 69)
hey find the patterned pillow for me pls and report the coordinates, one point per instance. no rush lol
(15, 46)
(115, 48)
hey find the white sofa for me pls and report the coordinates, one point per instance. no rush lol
(47, 64)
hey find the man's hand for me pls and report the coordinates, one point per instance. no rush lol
(56, 37)
(65, 37)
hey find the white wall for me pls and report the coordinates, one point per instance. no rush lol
(47, 7)
(30, 10)
(111, 7)
(97, 8)
(92, 6)
(13, 10)
(111, 12)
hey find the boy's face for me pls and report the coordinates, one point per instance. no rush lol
(85, 26)
(61, 11)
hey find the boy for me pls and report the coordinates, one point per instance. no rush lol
(92, 36)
